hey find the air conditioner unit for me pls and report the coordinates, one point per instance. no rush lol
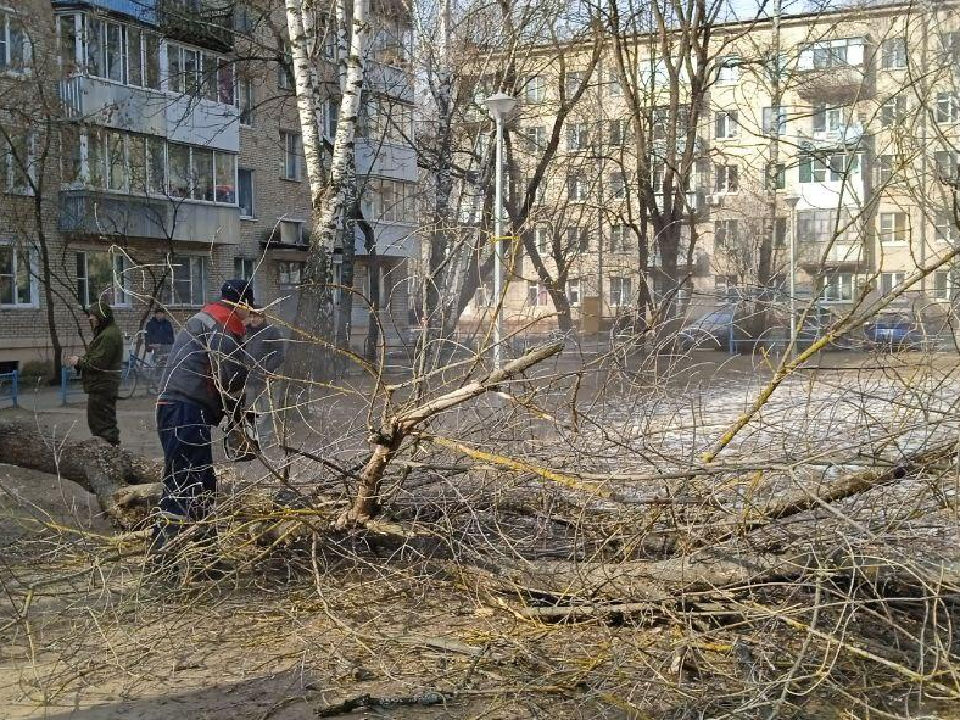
(291, 232)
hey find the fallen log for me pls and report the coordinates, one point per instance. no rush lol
(94, 464)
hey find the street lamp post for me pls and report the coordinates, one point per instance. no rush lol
(500, 106)
(791, 203)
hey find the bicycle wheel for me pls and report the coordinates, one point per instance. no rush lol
(128, 382)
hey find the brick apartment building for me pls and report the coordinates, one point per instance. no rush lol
(852, 169)
(151, 149)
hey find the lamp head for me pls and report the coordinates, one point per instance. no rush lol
(500, 105)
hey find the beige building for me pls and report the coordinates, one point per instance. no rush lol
(152, 150)
(831, 142)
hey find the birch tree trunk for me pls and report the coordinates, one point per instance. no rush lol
(312, 352)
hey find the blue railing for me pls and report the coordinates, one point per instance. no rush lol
(68, 384)
(10, 387)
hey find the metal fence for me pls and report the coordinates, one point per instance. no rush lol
(10, 388)
(69, 381)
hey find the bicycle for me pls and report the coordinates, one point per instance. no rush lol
(147, 369)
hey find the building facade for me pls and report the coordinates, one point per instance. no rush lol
(828, 141)
(153, 149)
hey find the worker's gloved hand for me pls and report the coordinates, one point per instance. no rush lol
(238, 444)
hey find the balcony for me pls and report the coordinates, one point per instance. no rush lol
(840, 254)
(91, 212)
(207, 23)
(142, 10)
(179, 118)
(836, 85)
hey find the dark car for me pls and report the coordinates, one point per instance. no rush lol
(713, 331)
(897, 332)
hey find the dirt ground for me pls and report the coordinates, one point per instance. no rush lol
(382, 623)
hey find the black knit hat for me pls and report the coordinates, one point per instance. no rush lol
(237, 290)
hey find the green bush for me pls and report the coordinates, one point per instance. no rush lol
(36, 369)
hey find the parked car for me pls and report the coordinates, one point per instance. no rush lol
(894, 331)
(710, 332)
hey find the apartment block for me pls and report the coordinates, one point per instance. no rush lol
(828, 141)
(152, 149)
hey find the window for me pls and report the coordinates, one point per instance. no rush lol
(151, 61)
(776, 176)
(134, 56)
(156, 165)
(726, 178)
(245, 269)
(482, 296)
(613, 83)
(178, 170)
(947, 165)
(838, 287)
(621, 292)
(618, 186)
(285, 69)
(893, 111)
(950, 42)
(572, 82)
(946, 228)
(775, 120)
(894, 227)
(292, 154)
(813, 168)
(18, 162)
(948, 108)
(885, 166)
(578, 239)
(893, 54)
(536, 90)
(576, 188)
(194, 72)
(18, 284)
(832, 53)
(15, 51)
(827, 119)
(389, 200)
(71, 160)
(616, 132)
(780, 232)
(541, 238)
(188, 283)
(537, 295)
(245, 98)
(819, 226)
(68, 41)
(573, 292)
(890, 281)
(289, 273)
(943, 286)
(577, 136)
(245, 191)
(101, 276)
(725, 125)
(620, 238)
(728, 70)
(726, 233)
(137, 163)
(116, 162)
(536, 137)
(226, 178)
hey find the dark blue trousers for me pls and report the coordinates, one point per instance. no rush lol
(189, 483)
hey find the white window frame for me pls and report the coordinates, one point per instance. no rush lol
(578, 136)
(301, 266)
(945, 228)
(842, 285)
(727, 179)
(32, 267)
(894, 228)
(121, 292)
(577, 190)
(286, 136)
(893, 111)
(253, 197)
(775, 119)
(623, 297)
(728, 70)
(537, 295)
(8, 165)
(726, 125)
(893, 53)
(726, 233)
(618, 238)
(541, 239)
(948, 108)
(536, 90)
(573, 292)
(942, 286)
(190, 258)
(891, 281)
(6, 45)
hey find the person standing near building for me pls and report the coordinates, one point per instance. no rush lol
(100, 371)
(265, 348)
(203, 383)
(158, 337)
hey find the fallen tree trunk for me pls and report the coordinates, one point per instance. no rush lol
(94, 464)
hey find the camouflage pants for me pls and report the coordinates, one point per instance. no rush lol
(102, 415)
